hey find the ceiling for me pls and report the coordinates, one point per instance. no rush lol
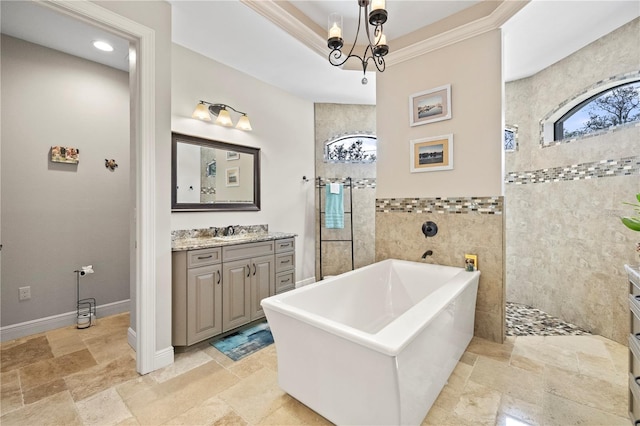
(235, 34)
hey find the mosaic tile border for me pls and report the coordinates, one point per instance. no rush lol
(451, 205)
(358, 183)
(630, 76)
(598, 169)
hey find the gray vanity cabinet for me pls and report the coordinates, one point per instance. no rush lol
(237, 292)
(217, 289)
(248, 277)
(633, 273)
(285, 265)
(197, 295)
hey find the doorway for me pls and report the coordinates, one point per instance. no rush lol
(142, 139)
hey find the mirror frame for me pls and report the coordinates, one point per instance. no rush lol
(185, 207)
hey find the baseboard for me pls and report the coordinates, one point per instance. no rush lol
(40, 325)
(304, 282)
(131, 338)
(163, 358)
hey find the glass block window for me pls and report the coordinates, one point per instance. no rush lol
(612, 107)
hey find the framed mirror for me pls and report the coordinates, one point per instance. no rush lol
(213, 175)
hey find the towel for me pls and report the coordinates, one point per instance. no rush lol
(334, 208)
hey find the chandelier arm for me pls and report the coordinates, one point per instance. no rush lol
(366, 27)
(380, 64)
(353, 46)
(334, 58)
(371, 51)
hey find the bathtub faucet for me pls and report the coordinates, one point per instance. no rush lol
(427, 253)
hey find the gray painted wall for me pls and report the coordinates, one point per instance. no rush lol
(58, 217)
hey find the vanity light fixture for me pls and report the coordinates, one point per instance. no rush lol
(376, 48)
(205, 109)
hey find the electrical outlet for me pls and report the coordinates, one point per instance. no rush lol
(25, 293)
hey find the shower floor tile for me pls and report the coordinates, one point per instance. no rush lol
(523, 320)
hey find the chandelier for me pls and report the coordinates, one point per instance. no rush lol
(376, 48)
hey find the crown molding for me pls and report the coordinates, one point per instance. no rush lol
(288, 22)
(472, 29)
(275, 13)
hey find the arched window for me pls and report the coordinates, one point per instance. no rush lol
(351, 148)
(612, 107)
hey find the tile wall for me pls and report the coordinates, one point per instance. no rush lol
(466, 225)
(565, 245)
(332, 120)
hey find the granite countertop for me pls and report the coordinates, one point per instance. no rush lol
(194, 243)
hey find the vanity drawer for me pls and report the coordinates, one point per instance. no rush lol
(634, 365)
(285, 281)
(634, 318)
(634, 398)
(285, 262)
(633, 274)
(245, 251)
(203, 257)
(286, 244)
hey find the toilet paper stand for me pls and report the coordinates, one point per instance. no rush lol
(85, 308)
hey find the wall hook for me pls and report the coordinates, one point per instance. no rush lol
(304, 179)
(110, 164)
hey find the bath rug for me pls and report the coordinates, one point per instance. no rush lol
(245, 342)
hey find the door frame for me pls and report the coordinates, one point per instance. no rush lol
(143, 135)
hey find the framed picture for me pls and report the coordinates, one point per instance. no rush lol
(65, 154)
(432, 154)
(430, 106)
(233, 176)
(232, 155)
(510, 138)
(211, 169)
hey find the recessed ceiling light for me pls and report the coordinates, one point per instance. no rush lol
(103, 45)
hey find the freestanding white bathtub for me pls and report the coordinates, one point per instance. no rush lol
(374, 346)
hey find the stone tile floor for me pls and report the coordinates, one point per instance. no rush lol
(523, 320)
(87, 377)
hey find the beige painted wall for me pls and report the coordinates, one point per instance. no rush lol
(283, 134)
(473, 68)
(331, 121)
(565, 245)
